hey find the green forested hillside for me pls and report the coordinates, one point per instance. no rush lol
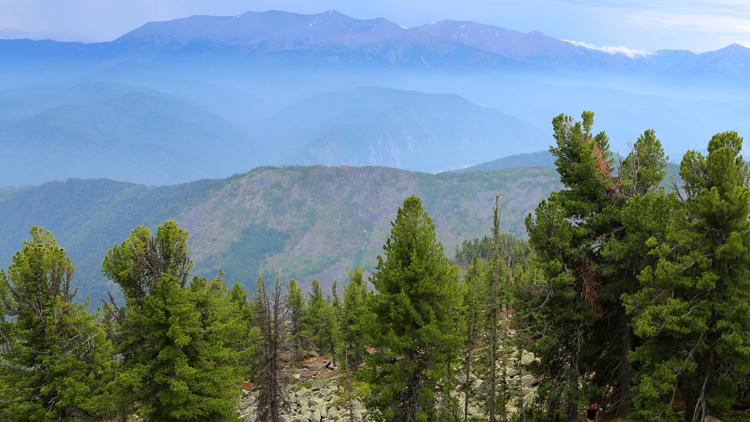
(302, 222)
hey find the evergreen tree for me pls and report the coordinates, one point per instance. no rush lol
(356, 320)
(335, 296)
(179, 342)
(693, 308)
(640, 208)
(417, 303)
(296, 302)
(330, 330)
(566, 233)
(319, 321)
(55, 356)
(272, 400)
(247, 335)
(189, 366)
(474, 298)
(494, 308)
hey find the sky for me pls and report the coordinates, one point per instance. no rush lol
(632, 26)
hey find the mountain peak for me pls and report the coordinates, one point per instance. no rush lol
(732, 52)
(272, 29)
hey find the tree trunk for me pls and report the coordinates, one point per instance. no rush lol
(625, 376)
(467, 385)
(493, 369)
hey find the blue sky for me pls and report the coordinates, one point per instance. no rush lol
(697, 25)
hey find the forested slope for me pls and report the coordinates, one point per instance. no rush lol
(304, 222)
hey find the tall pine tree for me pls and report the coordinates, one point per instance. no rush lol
(566, 232)
(56, 357)
(178, 341)
(295, 301)
(417, 303)
(693, 309)
(356, 320)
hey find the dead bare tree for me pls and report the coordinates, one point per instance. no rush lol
(272, 401)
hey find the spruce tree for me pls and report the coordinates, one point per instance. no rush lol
(296, 303)
(330, 331)
(178, 340)
(356, 320)
(319, 321)
(693, 308)
(248, 337)
(416, 302)
(494, 305)
(56, 358)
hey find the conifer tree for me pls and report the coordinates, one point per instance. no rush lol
(272, 400)
(693, 308)
(247, 335)
(312, 318)
(641, 208)
(493, 306)
(566, 232)
(55, 356)
(356, 320)
(335, 296)
(320, 321)
(589, 240)
(178, 341)
(330, 331)
(417, 302)
(296, 302)
(474, 298)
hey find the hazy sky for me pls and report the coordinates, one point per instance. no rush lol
(648, 25)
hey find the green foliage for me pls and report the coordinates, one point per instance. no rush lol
(243, 259)
(357, 320)
(563, 233)
(475, 288)
(510, 246)
(590, 249)
(247, 335)
(417, 305)
(494, 303)
(308, 226)
(693, 310)
(56, 358)
(320, 321)
(297, 308)
(181, 343)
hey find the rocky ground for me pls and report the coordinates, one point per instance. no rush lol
(317, 392)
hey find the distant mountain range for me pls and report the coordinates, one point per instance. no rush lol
(140, 135)
(331, 38)
(209, 96)
(542, 159)
(115, 131)
(395, 128)
(302, 222)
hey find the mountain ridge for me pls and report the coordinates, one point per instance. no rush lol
(306, 222)
(333, 38)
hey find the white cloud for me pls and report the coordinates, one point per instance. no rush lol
(611, 49)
